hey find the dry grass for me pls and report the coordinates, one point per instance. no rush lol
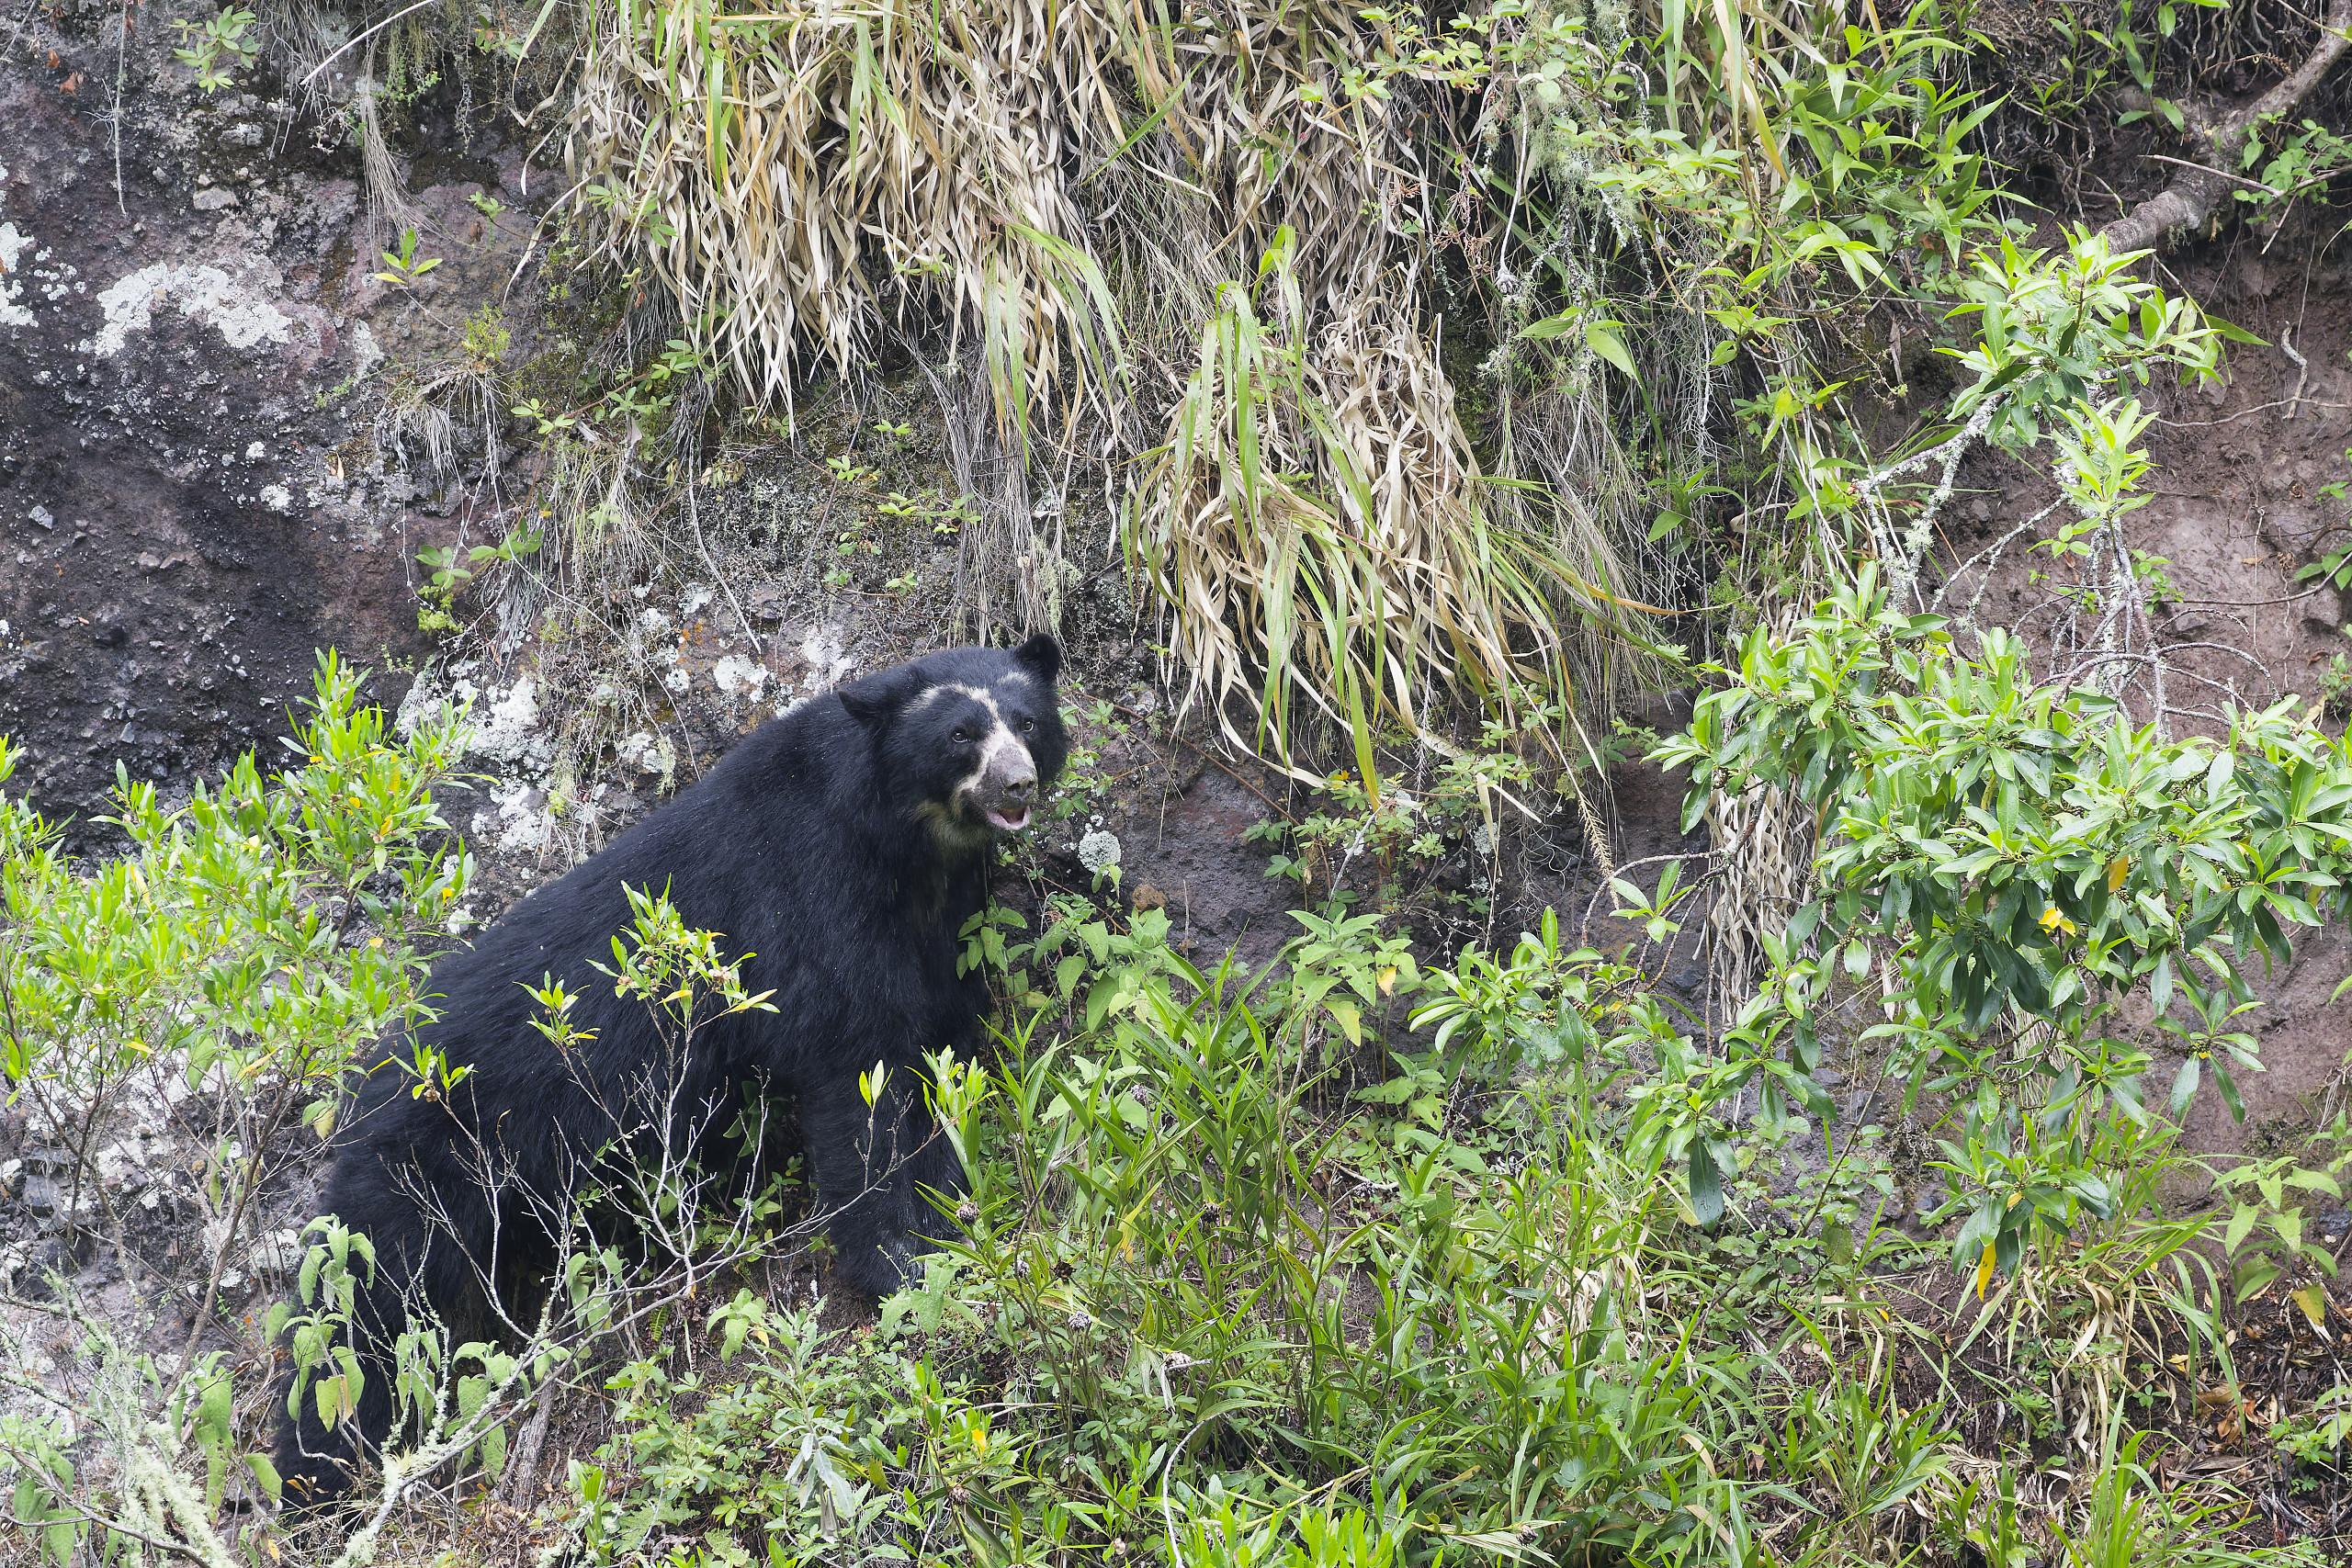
(1070, 189)
(797, 175)
(1316, 517)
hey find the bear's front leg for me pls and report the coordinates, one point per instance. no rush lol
(872, 1164)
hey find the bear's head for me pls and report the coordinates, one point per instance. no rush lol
(971, 740)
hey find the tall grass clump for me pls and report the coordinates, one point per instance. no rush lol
(1070, 203)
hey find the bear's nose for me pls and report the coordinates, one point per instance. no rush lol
(1022, 786)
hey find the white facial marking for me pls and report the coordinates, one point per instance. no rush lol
(1001, 750)
(999, 740)
(992, 746)
(985, 697)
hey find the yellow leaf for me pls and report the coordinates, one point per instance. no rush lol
(1389, 979)
(2313, 1301)
(2053, 920)
(2115, 872)
(1984, 1271)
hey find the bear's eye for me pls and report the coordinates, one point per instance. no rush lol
(962, 738)
(1027, 725)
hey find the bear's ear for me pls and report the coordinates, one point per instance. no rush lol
(1042, 657)
(876, 701)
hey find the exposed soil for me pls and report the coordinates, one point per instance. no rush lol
(190, 501)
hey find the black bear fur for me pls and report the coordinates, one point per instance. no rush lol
(844, 845)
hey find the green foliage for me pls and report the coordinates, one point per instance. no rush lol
(404, 268)
(1401, 835)
(2032, 848)
(770, 1465)
(2020, 860)
(220, 48)
(447, 578)
(486, 337)
(217, 944)
(251, 945)
(1195, 1284)
(945, 518)
(2268, 1234)
(1216, 1296)
(1203, 1311)
(2056, 327)
(2293, 165)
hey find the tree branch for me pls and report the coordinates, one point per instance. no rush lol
(2183, 207)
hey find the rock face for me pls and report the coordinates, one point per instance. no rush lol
(188, 505)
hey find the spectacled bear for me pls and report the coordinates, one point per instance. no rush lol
(842, 845)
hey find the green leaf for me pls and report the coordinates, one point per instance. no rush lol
(1602, 336)
(1706, 1185)
(2184, 1086)
(2229, 1088)
(1552, 326)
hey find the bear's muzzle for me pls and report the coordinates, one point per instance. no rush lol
(1006, 789)
(1006, 795)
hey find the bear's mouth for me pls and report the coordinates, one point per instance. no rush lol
(1010, 821)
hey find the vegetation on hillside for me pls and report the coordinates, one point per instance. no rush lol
(1456, 375)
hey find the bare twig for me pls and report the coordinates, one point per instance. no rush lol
(693, 520)
(2233, 419)
(2302, 370)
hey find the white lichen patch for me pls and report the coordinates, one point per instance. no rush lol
(278, 498)
(520, 820)
(827, 658)
(203, 293)
(366, 352)
(13, 246)
(506, 726)
(738, 676)
(1098, 851)
(646, 752)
